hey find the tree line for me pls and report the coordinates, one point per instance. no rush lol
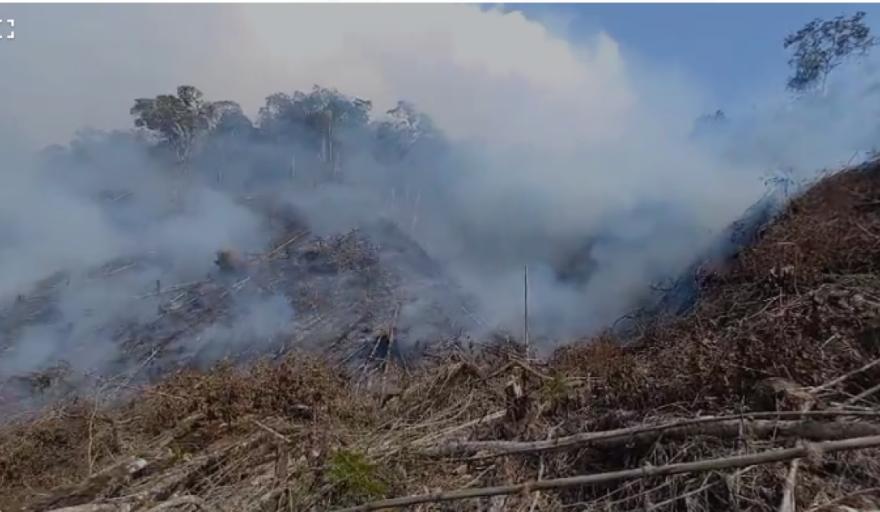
(320, 128)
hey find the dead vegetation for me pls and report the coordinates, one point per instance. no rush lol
(342, 297)
(779, 362)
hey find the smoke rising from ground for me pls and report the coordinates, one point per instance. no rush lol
(560, 157)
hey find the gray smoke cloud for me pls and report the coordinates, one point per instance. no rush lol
(562, 156)
(86, 242)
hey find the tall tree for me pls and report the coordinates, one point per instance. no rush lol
(230, 119)
(179, 120)
(301, 114)
(319, 120)
(822, 45)
(404, 129)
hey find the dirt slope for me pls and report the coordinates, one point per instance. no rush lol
(782, 339)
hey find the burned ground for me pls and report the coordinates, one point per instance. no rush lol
(781, 349)
(343, 295)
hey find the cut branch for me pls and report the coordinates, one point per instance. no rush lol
(627, 474)
(717, 426)
(179, 501)
(93, 486)
(95, 507)
(844, 377)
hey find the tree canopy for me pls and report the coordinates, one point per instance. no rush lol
(318, 130)
(230, 119)
(178, 119)
(308, 115)
(404, 129)
(822, 45)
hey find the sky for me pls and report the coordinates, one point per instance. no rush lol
(85, 63)
(732, 50)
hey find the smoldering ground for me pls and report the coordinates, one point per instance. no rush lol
(567, 159)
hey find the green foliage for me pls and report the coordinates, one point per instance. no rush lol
(311, 115)
(355, 477)
(822, 45)
(314, 133)
(179, 120)
(556, 388)
(230, 119)
(404, 129)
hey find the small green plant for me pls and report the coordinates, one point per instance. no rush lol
(556, 389)
(354, 476)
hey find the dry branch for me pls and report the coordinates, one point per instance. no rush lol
(841, 499)
(789, 498)
(87, 490)
(717, 426)
(274, 252)
(184, 427)
(844, 377)
(278, 435)
(864, 394)
(181, 500)
(789, 501)
(95, 507)
(483, 420)
(627, 474)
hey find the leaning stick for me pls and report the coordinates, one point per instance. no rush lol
(864, 394)
(737, 461)
(844, 377)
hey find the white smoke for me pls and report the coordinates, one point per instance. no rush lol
(558, 145)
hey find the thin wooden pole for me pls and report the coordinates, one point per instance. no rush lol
(526, 309)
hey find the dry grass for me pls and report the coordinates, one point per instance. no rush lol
(801, 306)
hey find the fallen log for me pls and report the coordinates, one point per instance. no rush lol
(736, 461)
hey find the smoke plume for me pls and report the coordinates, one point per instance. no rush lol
(560, 157)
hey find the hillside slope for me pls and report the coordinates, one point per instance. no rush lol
(782, 344)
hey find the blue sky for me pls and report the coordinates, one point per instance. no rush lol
(727, 56)
(731, 50)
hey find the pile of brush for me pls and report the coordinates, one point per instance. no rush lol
(765, 397)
